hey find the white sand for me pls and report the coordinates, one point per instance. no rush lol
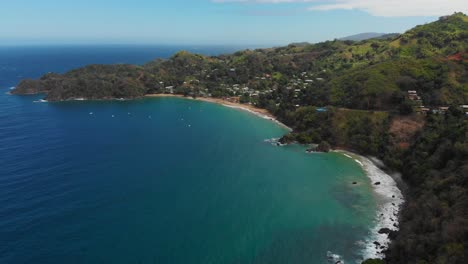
(259, 115)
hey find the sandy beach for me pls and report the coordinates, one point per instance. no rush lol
(263, 113)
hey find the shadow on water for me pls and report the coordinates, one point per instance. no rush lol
(351, 197)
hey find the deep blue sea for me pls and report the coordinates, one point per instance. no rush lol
(162, 180)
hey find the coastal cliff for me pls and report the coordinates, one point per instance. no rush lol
(400, 99)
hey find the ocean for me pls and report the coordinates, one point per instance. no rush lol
(163, 180)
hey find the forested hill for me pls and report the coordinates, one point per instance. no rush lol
(372, 74)
(402, 99)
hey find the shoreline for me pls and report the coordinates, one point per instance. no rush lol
(388, 196)
(389, 202)
(260, 112)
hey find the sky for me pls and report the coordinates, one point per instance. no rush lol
(205, 22)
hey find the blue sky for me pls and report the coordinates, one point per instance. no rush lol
(220, 22)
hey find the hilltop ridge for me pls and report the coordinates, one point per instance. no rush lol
(278, 68)
(369, 35)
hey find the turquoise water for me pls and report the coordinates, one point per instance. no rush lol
(146, 187)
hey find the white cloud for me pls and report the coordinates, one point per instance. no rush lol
(387, 8)
(391, 8)
(263, 1)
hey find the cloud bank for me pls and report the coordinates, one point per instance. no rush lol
(385, 8)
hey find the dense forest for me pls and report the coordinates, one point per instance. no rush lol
(401, 98)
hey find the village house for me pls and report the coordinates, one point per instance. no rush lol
(440, 110)
(170, 89)
(413, 95)
(422, 110)
(444, 108)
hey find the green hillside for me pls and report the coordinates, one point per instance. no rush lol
(365, 75)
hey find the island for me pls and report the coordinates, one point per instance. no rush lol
(402, 98)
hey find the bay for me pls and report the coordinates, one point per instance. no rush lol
(167, 180)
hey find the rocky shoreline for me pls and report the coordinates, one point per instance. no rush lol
(390, 200)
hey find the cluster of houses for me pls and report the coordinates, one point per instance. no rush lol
(303, 81)
(421, 109)
(237, 89)
(298, 83)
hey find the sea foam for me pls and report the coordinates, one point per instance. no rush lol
(274, 142)
(389, 199)
(334, 258)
